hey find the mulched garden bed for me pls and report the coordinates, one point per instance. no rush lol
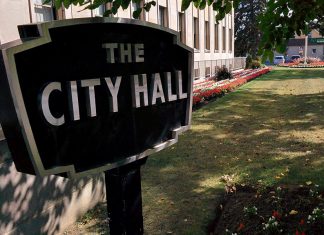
(282, 210)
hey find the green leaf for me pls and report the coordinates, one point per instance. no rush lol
(217, 5)
(185, 4)
(125, 4)
(281, 48)
(58, 4)
(236, 3)
(137, 13)
(66, 3)
(147, 7)
(196, 3)
(209, 2)
(271, 56)
(228, 7)
(202, 5)
(108, 13)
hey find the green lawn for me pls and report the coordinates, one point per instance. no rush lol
(268, 132)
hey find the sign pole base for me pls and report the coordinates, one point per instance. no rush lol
(124, 199)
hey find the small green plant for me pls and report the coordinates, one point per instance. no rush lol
(248, 62)
(300, 230)
(317, 215)
(250, 211)
(228, 232)
(229, 182)
(313, 192)
(223, 74)
(279, 193)
(255, 64)
(272, 226)
(278, 197)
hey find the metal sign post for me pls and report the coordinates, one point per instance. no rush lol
(124, 199)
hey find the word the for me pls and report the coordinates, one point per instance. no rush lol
(124, 52)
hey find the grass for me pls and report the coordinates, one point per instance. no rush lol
(269, 132)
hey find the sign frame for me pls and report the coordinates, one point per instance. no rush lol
(25, 132)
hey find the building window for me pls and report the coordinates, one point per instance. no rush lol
(182, 27)
(230, 40)
(314, 51)
(207, 35)
(196, 33)
(196, 73)
(224, 39)
(99, 11)
(216, 37)
(207, 72)
(300, 51)
(43, 12)
(163, 16)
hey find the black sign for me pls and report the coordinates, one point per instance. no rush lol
(89, 95)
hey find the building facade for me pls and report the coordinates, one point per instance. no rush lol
(213, 42)
(315, 47)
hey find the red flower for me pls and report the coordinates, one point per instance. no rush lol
(300, 233)
(276, 214)
(241, 226)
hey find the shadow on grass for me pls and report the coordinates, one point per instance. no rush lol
(35, 205)
(297, 73)
(262, 137)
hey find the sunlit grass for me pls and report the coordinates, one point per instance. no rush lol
(255, 133)
(267, 133)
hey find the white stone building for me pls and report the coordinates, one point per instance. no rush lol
(213, 43)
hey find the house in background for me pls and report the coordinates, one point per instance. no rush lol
(296, 46)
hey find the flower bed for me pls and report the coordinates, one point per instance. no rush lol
(282, 210)
(209, 88)
(300, 63)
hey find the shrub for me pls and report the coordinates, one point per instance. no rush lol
(223, 74)
(248, 62)
(255, 64)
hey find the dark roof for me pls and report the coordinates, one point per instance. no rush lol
(300, 42)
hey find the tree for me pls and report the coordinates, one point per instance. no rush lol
(280, 20)
(318, 24)
(247, 32)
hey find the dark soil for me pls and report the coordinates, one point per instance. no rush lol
(291, 207)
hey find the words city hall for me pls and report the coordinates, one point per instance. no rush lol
(158, 91)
